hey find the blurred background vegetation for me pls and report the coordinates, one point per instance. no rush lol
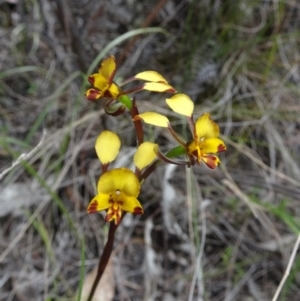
(205, 235)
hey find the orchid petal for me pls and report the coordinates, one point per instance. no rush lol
(181, 104)
(212, 146)
(108, 69)
(99, 81)
(132, 205)
(107, 146)
(151, 76)
(144, 155)
(153, 118)
(211, 161)
(93, 94)
(98, 203)
(158, 87)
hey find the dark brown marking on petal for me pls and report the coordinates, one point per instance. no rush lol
(171, 90)
(211, 161)
(107, 94)
(138, 210)
(221, 148)
(91, 80)
(194, 153)
(93, 95)
(92, 208)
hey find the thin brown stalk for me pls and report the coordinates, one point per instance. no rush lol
(104, 258)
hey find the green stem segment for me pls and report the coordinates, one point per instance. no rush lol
(125, 100)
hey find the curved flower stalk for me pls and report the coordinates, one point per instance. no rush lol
(205, 131)
(105, 87)
(119, 188)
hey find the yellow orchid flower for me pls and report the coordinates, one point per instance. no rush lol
(118, 188)
(206, 142)
(205, 132)
(102, 82)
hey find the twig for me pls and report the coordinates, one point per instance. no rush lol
(288, 269)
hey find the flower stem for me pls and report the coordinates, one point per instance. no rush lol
(104, 258)
(137, 124)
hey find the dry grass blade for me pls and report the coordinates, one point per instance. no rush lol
(288, 269)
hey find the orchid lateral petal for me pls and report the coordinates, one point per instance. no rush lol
(107, 146)
(98, 203)
(153, 118)
(213, 146)
(132, 205)
(158, 87)
(181, 104)
(144, 155)
(150, 76)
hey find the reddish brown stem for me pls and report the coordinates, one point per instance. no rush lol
(149, 170)
(104, 258)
